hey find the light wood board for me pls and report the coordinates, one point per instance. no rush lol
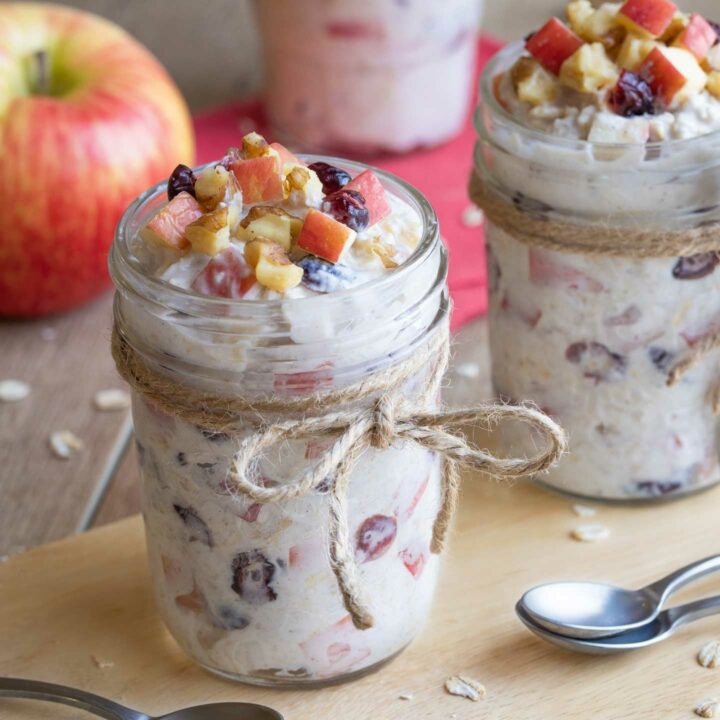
(89, 595)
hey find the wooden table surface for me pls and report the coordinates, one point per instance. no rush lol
(95, 626)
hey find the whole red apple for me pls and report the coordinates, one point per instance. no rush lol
(88, 120)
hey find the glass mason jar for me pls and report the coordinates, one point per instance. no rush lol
(592, 337)
(362, 78)
(247, 589)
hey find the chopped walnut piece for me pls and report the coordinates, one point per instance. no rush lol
(64, 443)
(707, 708)
(709, 655)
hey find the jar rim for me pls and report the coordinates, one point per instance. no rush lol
(125, 272)
(488, 100)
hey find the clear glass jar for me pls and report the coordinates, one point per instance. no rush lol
(361, 78)
(247, 589)
(589, 337)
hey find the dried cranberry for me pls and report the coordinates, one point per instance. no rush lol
(198, 529)
(631, 96)
(695, 266)
(716, 27)
(252, 574)
(374, 537)
(182, 179)
(655, 488)
(597, 362)
(331, 177)
(348, 207)
(661, 358)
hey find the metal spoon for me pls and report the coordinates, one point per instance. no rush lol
(102, 707)
(592, 610)
(662, 627)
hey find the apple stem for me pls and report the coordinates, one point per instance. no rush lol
(42, 74)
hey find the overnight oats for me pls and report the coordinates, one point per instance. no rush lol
(598, 165)
(282, 321)
(362, 78)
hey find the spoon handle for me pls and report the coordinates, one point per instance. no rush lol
(683, 614)
(35, 690)
(662, 589)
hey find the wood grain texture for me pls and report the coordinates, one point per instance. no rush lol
(42, 497)
(92, 596)
(123, 494)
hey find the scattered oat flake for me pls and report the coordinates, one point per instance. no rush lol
(13, 390)
(584, 511)
(709, 655)
(472, 216)
(468, 370)
(707, 708)
(406, 696)
(466, 687)
(102, 664)
(590, 533)
(49, 334)
(64, 443)
(112, 399)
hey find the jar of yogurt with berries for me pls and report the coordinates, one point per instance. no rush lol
(362, 78)
(269, 276)
(598, 165)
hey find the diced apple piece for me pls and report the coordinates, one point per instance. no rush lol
(211, 186)
(227, 275)
(369, 186)
(712, 59)
(713, 83)
(592, 25)
(553, 44)
(673, 74)
(286, 157)
(609, 128)
(168, 225)
(302, 186)
(633, 51)
(209, 234)
(273, 268)
(533, 84)
(324, 236)
(589, 69)
(680, 20)
(271, 223)
(546, 270)
(649, 18)
(698, 37)
(578, 13)
(259, 178)
(336, 649)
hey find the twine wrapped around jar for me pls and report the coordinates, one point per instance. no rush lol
(534, 227)
(382, 418)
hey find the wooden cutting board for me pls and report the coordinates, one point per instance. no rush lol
(69, 609)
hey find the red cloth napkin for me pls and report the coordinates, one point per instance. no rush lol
(440, 173)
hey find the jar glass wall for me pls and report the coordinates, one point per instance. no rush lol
(592, 337)
(361, 78)
(245, 588)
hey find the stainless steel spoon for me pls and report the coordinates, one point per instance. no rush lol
(661, 628)
(102, 707)
(593, 610)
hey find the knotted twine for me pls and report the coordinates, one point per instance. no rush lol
(531, 224)
(372, 413)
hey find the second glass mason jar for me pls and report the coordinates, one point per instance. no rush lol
(375, 76)
(247, 589)
(591, 337)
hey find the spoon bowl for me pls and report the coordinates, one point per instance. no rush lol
(224, 711)
(587, 610)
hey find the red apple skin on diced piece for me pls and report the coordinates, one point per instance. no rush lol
(324, 236)
(369, 186)
(649, 17)
(553, 44)
(698, 37)
(304, 383)
(286, 157)
(227, 275)
(259, 179)
(662, 76)
(546, 271)
(168, 226)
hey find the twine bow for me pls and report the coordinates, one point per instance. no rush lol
(697, 352)
(376, 414)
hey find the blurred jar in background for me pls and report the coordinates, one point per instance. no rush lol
(361, 78)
